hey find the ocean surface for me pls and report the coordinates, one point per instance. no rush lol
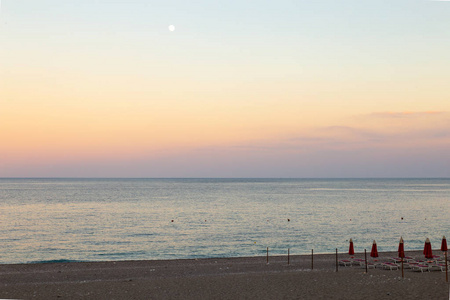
(46, 220)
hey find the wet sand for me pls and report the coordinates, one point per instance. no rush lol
(219, 278)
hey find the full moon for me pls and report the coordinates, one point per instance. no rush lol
(171, 28)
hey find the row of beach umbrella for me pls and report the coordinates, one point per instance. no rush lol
(427, 251)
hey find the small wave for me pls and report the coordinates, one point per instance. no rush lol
(143, 234)
(53, 261)
(121, 254)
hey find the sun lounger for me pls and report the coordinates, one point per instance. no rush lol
(358, 262)
(362, 264)
(396, 259)
(370, 265)
(437, 267)
(345, 262)
(421, 262)
(407, 265)
(421, 268)
(377, 263)
(390, 266)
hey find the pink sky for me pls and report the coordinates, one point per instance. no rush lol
(307, 90)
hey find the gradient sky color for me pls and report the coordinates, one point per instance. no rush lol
(239, 89)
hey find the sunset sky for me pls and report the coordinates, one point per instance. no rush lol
(304, 88)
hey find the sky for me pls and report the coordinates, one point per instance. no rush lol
(305, 88)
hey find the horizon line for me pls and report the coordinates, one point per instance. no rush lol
(224, 177)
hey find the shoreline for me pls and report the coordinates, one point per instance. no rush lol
(220, 278)
(417, 252)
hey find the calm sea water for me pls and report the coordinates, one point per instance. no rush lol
(128, 219)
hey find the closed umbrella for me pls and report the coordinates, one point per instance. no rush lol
(427, 249)
(444, 248)
(401, 248)
(444, 244)
(351, 250)
(374, 252)
(401, 253)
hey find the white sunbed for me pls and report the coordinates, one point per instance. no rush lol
(410, 264)
(345, 262)
(377, 263)
(437, 267)
(406, 262)
(421, 268)
(396, 260)
(370, 265)
(358, 262)
(390, 266)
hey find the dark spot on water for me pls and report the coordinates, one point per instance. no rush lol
(289, 220)
(172, 221)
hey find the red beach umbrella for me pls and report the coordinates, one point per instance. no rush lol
(427, 249)
(374, 252)
(351, 250)
(401, 248)
(444, 244)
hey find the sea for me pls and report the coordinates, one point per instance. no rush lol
(65, 220)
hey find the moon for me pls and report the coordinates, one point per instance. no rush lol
(171, 27)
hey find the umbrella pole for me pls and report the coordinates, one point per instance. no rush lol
(446, 267)
(267, 255)
(312, 259)
(365, 258)
(288, 256)
(336, 261)
(403, 274)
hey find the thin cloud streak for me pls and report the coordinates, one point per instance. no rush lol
(406, 114)
(360, 147)
(368, 136)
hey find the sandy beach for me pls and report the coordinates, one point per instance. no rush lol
(219, 278)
